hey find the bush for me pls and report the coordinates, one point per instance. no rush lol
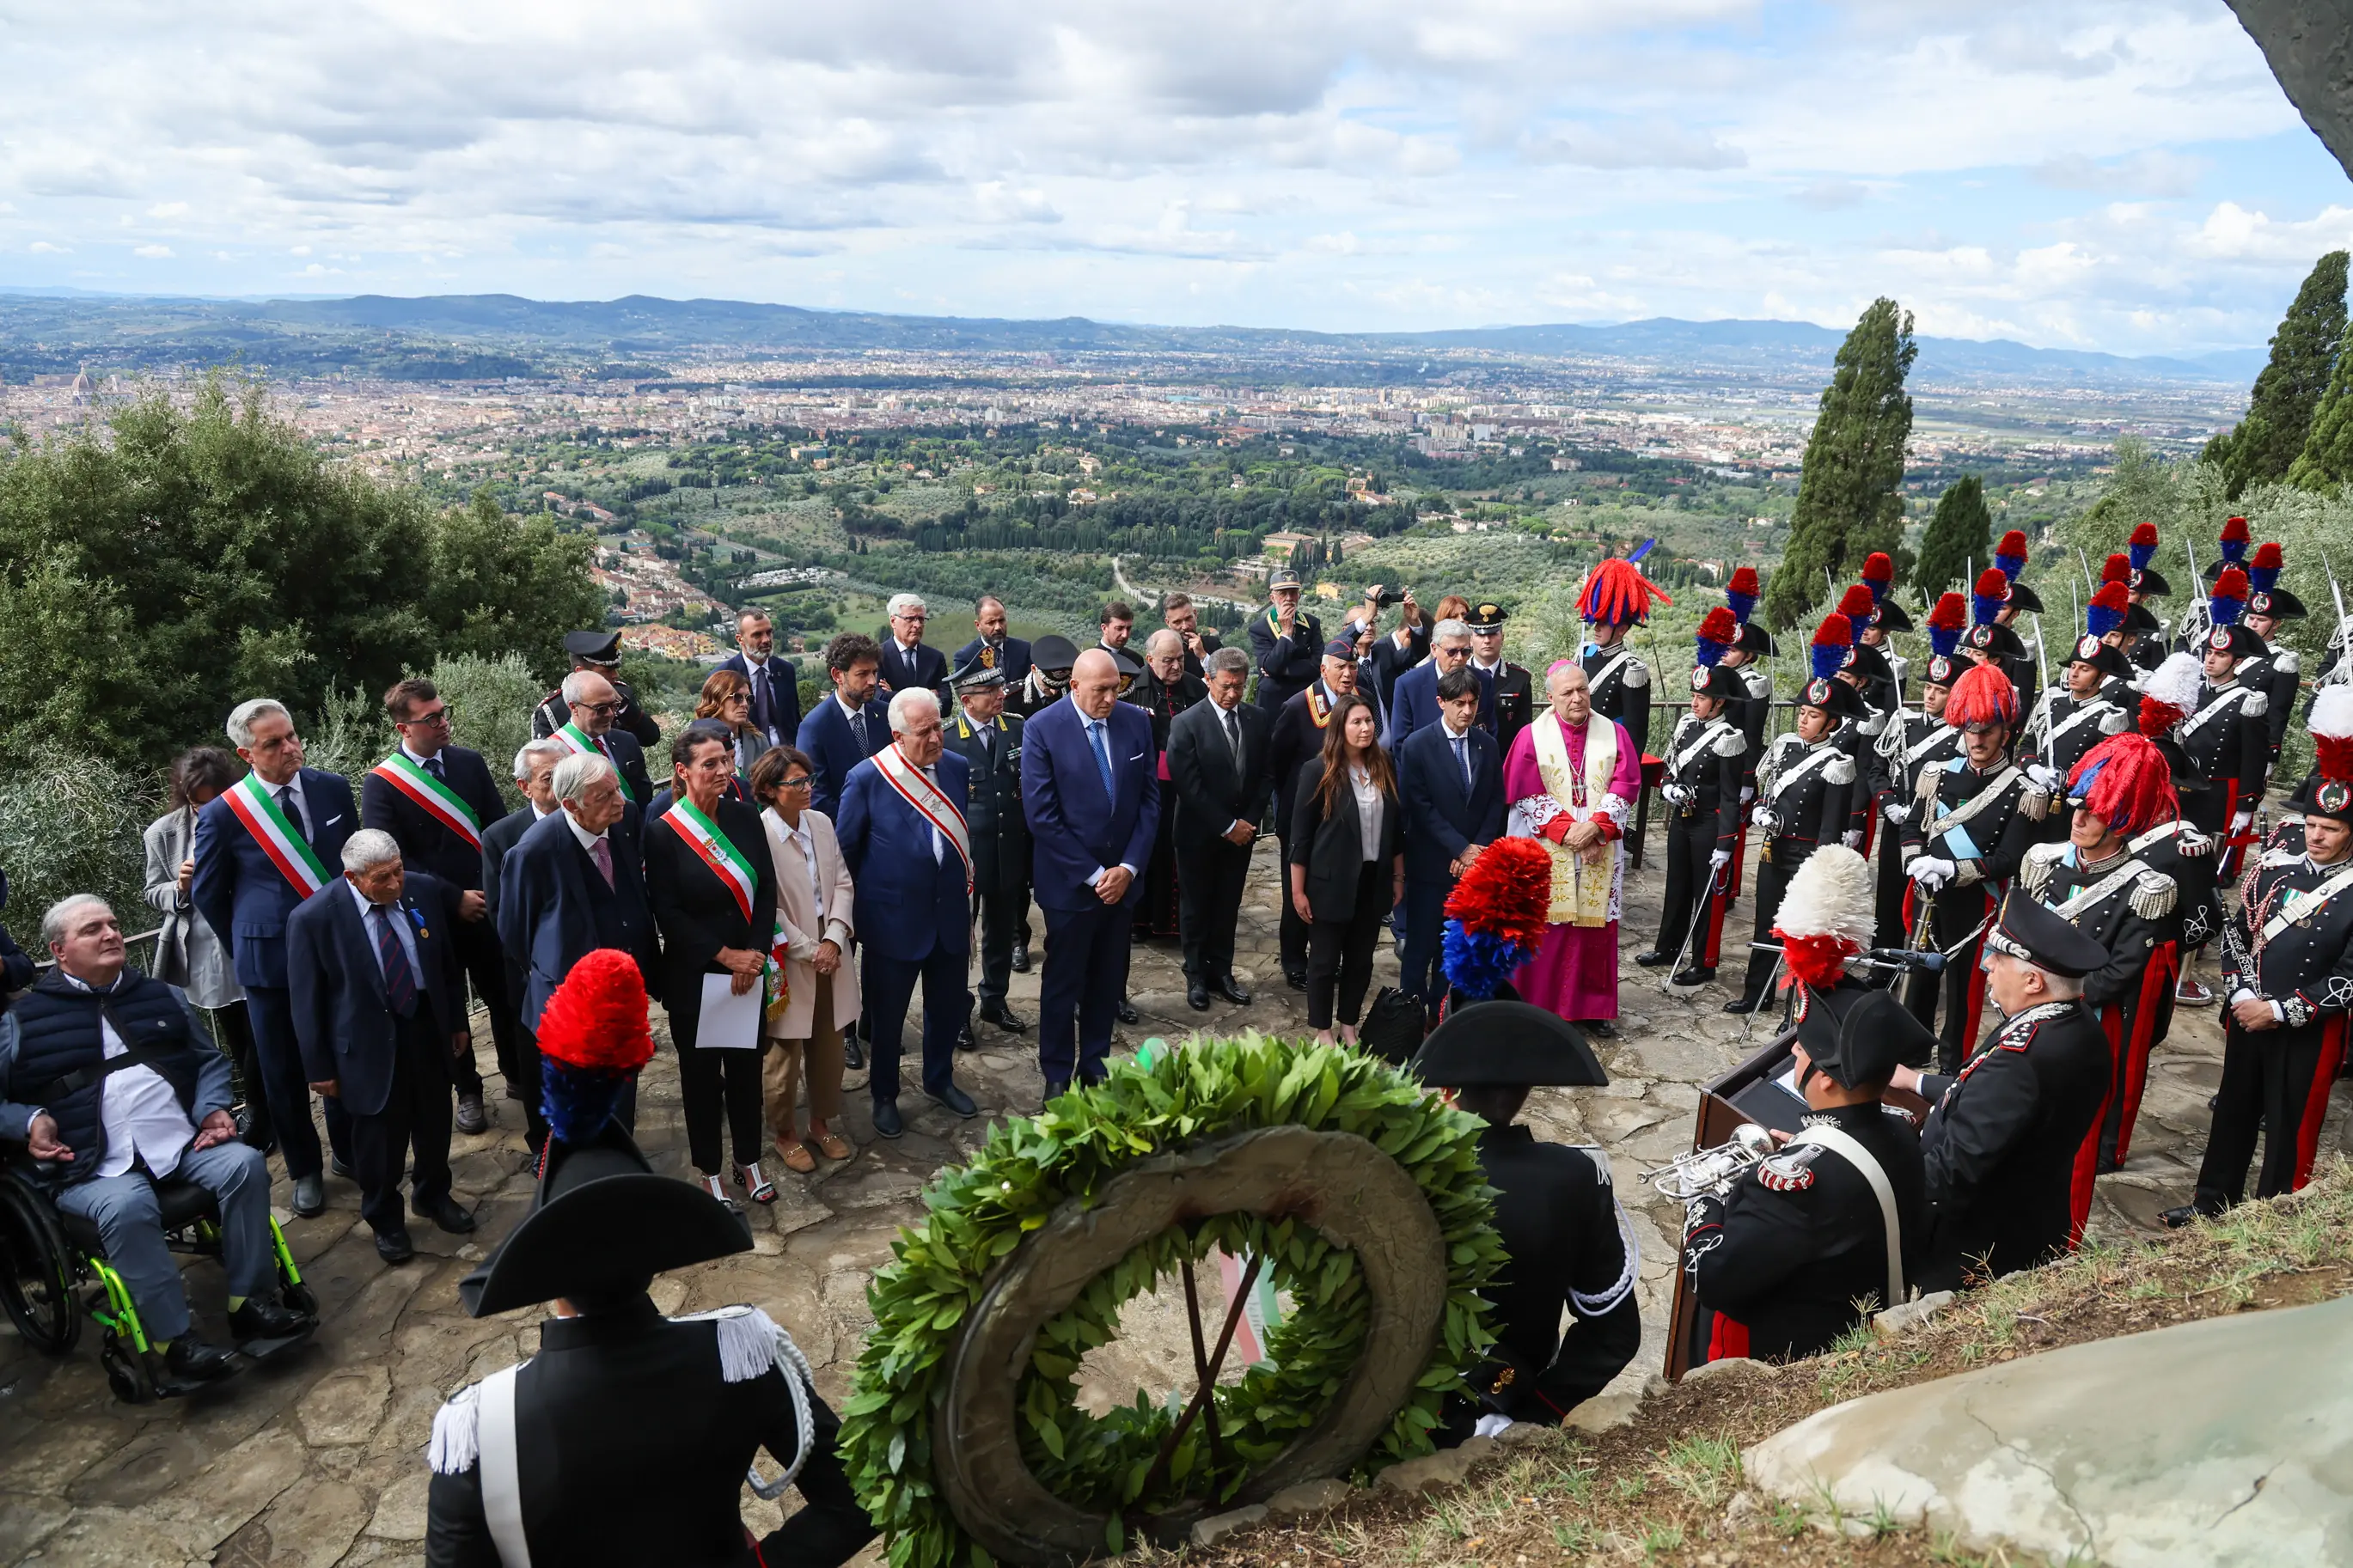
(70, 823)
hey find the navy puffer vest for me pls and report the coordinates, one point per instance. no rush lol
(58, 1033)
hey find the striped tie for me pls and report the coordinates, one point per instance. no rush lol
(400, 983)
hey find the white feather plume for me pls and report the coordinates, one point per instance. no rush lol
(2176, 681)
(2332, 713)
(1829, 896)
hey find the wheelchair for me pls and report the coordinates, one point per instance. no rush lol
(54, 1272)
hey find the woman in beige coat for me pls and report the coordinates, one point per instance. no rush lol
(813, 906)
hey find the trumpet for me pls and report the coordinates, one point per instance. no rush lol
(1705, 1173)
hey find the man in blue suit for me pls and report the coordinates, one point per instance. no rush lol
(776, 689)
(1090, 791)
(573, 881)
(849, 726)
(1010, 654)
(1450, 782)
(902, 834)
(380, 1016)
(908, 663)
(262, 845)
(1415, 704)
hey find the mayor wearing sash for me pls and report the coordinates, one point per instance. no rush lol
(594, 706)
(263, 845)
(904, 836)
(1571, 778)
(712, 889)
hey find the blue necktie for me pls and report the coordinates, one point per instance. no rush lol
(399, 984)
(1103, 756)
(1462, 761)
(433, 766)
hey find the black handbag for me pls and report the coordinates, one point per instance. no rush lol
(1392, 1028)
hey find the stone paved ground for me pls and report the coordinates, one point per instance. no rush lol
(318, 1461)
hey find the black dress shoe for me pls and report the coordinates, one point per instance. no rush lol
(394, 1247)
(262, 1318)
(955, 1099)
(1743, 1004)
(1234, 991)
(1295, 978)
(191, 1360)
(964, 1042)
(1653, 959)
(1601, 1028)
(1126, 1012)
(1055, 1088)
(1692, 977)
(1021, 958)
(448, 1215)
(2175, 1218)
(470, 1117)
(1197, 997)
(338, 1165)
(1004, 1019)
(853, 1055)
(886, 1118)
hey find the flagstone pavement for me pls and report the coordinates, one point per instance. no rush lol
(317, 1460)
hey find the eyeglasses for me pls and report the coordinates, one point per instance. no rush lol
(800, 783)
(612, 707)
(438, 716)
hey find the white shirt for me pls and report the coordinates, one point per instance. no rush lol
(141, 1114)
(399, 918)
(1368, 811)
(418, 757)
(588, 840)
(1091, 726)
(939, 845)
(1490, 668)
(301, 804)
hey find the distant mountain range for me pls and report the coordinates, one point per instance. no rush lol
(458, 335)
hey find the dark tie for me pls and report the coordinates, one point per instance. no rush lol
(433, 766)
(399, 984)
(1462, 760)
(760, 698)
(286, 803)
(857, 728)
(1234, 736)
(988, 746)
(1095, 730)
(602, 853)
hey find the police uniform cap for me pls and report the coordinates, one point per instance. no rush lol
(1860, 1035)
(2042, 937)
(1506, 1043)
(2326, 797)
(1054, 653)
(1485, 617)
(1130, 668)
(1341, 648)
(1284, 577)
(2240, 642)
(979, 674)
(599, 648)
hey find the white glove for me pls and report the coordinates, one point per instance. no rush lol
(1852, 838)
(1760, 817)
(1719, 860)
(1676, 794)
(1488, 1426)
(1748, 794)
(2242, 821)
(1932, 873)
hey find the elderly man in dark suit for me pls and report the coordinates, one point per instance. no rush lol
(1450, 783)
(908, 663)
(849, 726)
(776, 687)
(262, 845)
(1415, 703)
(903, 836)
(989, 741)
(379, 1014)
(437, 800)
(1218, 778)
(534, 777)
(574, 882)
(992, 649)
(594, 704)
(1093, 803)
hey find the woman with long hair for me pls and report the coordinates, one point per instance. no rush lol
(190, 953)
(727, 698)
(1347, 863)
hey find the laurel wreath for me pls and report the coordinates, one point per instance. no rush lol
(978, 1214)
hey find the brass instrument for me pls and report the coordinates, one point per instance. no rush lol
(1712, 1173)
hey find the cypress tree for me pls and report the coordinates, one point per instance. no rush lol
(1847, 500)
(2327, 460)
(1959, 535)
(2264, 445)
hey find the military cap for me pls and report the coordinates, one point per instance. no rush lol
(2276, 602)
(2148, 580)
(2042, 937)
(1942, 669)
(1835, 698)
(1054, 653)
(1506, 1043)
(2238, 641)
(1341, 648)
(1994, 640)
(1891, 617)
(979, 673)
(597, 647)
(1858, 1037)
(1284, 577)
(2320, 796)
(2100, 657)
(2023, 597)
(1756, 639)
(1715, 680)
(1868, 662)
(1130, 666)
(1485, 617)
(2138, 619)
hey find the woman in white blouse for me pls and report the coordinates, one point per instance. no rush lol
(812, 914)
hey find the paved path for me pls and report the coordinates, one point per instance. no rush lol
(319, 1463)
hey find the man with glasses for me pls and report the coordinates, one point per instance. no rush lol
(595, 705)
(776, 687)
(1416, 706)
(599, 652)
(437, 800)
(907, 664)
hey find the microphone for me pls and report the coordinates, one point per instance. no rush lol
(1926, 960)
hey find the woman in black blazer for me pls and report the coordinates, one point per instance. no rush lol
(706, 929)
(1347, 867)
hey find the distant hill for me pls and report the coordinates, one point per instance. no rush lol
(457, 335)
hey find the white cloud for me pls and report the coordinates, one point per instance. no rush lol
(153, 252)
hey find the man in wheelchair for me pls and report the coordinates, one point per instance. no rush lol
(113, 1089)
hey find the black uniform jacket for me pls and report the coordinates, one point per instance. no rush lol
(2003, 1142)
(1904, 751)
(631, 1445)
(1295, 737)
(1805, 792)
(1753, 713)
(1507, 701)
(1987, 845)
(2077, 723)
(1557, 1217)
(1791, 1249)
(2290, 949)
(1708, 758)
(2229, 741)
(992, 817)
(1620, 683)
(2134, 911)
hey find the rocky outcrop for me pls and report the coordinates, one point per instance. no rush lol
(2309, 45)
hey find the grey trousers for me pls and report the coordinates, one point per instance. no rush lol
(124, 1209)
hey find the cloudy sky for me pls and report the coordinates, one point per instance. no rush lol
(2122, 174)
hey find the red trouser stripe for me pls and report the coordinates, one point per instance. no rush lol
(2163, 963)
(2316, 1099)
(1716, 906)
(2087, 1153)
(1728, 1341)
(1869, 832)
(1739, 856)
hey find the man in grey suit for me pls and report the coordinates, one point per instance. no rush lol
(1218, 772)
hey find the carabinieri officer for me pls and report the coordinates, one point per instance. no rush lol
(988, 738)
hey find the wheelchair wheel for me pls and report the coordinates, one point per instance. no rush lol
(37, 1270)
(124, 1374)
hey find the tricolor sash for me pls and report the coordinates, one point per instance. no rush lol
(777, 994)
(578, 740)
(249, 801)
(440, 802)
(717, 850)
(930, 805)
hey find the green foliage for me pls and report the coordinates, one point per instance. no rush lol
(978, 1213)
(1848, 501)
(2264, 445)
(2327, 460)
(212, 540)
(1960, 534)
(71, 824)
(491, 702)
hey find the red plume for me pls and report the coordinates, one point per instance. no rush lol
(1877, 567)
(1718, 625)
(1983, 695)
(2131, 783)
(1506, 893)
(2231, 584)
(597, 1018)
(2145, 535)
(1857, 604)
(1991, 584)
(2235, 530)
(1744, 581)
(2268, 558)
(1836, 631)
(2012, 543)
(2117, 570)
(1951, 614)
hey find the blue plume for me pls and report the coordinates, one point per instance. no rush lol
(1645, 550)
(2141, 554)
(1710, 652)
(1740, 605)
(578, 1101)
(1944, 641)
(1828, 659)
(1983, 608)
(1476, 962)
(2100, 620)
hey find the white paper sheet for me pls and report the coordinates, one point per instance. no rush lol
(727, 1021)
